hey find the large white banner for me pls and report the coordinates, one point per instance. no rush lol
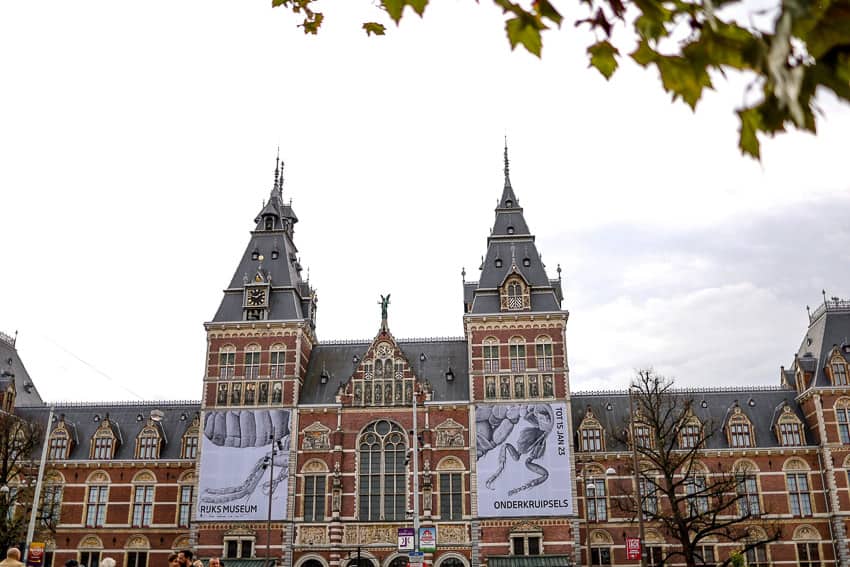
(238, 450)
(523, 453)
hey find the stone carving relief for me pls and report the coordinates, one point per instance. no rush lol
(449, 434)
(316, 437)
(312, 535)
(366, 534)
(452, 533)
(90, 542)
(138, 542)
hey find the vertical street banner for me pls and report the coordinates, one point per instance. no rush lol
(523, 458)
(35, 554)
(244, 456)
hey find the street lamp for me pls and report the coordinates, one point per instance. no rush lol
(268, 462)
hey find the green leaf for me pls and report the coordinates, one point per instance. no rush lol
(750, 124)
(683, 78)
(394, 8)
(650, 28)
(548, 11)
(418, 6)
(374, 28)
(525, 31)
(313, 22)
(602, 56)
(644, 54)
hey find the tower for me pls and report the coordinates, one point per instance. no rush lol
(258, 345)
(519, 387)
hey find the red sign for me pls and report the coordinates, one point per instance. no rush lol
(36, 554)
(632, 548)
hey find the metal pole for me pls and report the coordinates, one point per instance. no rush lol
(37, 494)
(637, 479)
(415, 478)
(587, 491)
(271, 492)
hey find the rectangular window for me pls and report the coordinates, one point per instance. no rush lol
(103, 448)
(451, 496)
(252, 365)
(277, 362)
(839, 374)
(277, 392)
(533, 544)
(96, 506)
(544, 356)
(798, 493)
(89, 558)
(653, 556)
(137, 559)
(48, 559)
(518, 545)
(58, 446)
(790, 435)
(226, 364)
(50, 511)
(597, 504)
(490, 387)
(591, 439)
(184, 514)
(142, 506)
(517, 356)
(689, 436)
(600, 556)
(314, 498)
(250, 393)
(757, 557)
(748, 497)
(231, 549)
(526, 544)
(247, 548)
(705, 555)
(642, 436)
(491, 358)
(649, 497)
(842, 415)
(697, 497)
(739, 434)
(148, 447)
(190, 449)
(808, 554)
(236, 394)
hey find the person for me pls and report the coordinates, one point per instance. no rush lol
(13, 558)
(107, 562)
(184, 557)
(216, 562)
(72, 563)
(172, 560)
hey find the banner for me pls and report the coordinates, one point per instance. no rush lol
(523, 455)
(428, 539)
(244, 454)
(35, 554)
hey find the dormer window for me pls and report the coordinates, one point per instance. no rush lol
(275, 254)
(515, 296)
(255, 255)
(103, 442)
(739, 430)
(526, 262)
(148, 442)
(690, 434)
(190, 440)
(838, 367)
(498, 262)
(510, 230)
(59, 443)
(643, 435)
(269, 223)
(509, 204)
(590, 433)
(789, 428)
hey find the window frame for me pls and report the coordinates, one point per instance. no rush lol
(799, 500)
(141, 510)
(315, 496)
(97, 503)
(454, 495)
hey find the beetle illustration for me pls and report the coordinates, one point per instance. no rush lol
(494, 424)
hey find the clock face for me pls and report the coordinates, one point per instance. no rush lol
(256, 297)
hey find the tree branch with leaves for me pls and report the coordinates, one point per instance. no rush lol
(19, 440)
(678, 493)
(791, 52)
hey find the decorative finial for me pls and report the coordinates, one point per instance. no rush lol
(823, 291)
(277, 170)
(559, 272)
(463, 274)
(507, 164)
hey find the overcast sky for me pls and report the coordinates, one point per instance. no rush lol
(137, 143)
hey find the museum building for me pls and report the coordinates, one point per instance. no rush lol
(309, 453)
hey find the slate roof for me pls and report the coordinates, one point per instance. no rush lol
(290, 297)
(829, 326)
(336, 361)
(12, 367)
(760, 404)
(511, 249)
(127, 418)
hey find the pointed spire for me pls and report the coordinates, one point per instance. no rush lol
(507, 165)
(277, 171)
(508, 200)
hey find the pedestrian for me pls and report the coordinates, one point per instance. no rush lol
(107, 562)
(184, 557)
(172, 560)
(13, 558)
(72, 563)
(216, 562)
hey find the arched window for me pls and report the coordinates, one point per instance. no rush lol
(277, 361)
(697, 490)
(514, 294)
(516, 354)
(450, 471)
(148, 442)
(807, 540)
(227, 362)
(143, 491)
(789, 428)
(491, 355)
(50, 509)
(838, 367)
(97, 499)
(739, 430)
(104, 441)
(543, 351)
(591, 433)
(382, 483)
(252, 362)
(60, 441)
(842, 416)
(315, 490)
(189, 449)
(451, 562)
(746, 474)
(797, 486)
(690, 433)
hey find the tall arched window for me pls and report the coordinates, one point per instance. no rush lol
(382, 487)
(278, 357)
(491, 355)
(516, 353)
(842, 416)
(252, 362)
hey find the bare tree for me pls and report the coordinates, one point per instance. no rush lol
(19, 441)
(677, 492)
